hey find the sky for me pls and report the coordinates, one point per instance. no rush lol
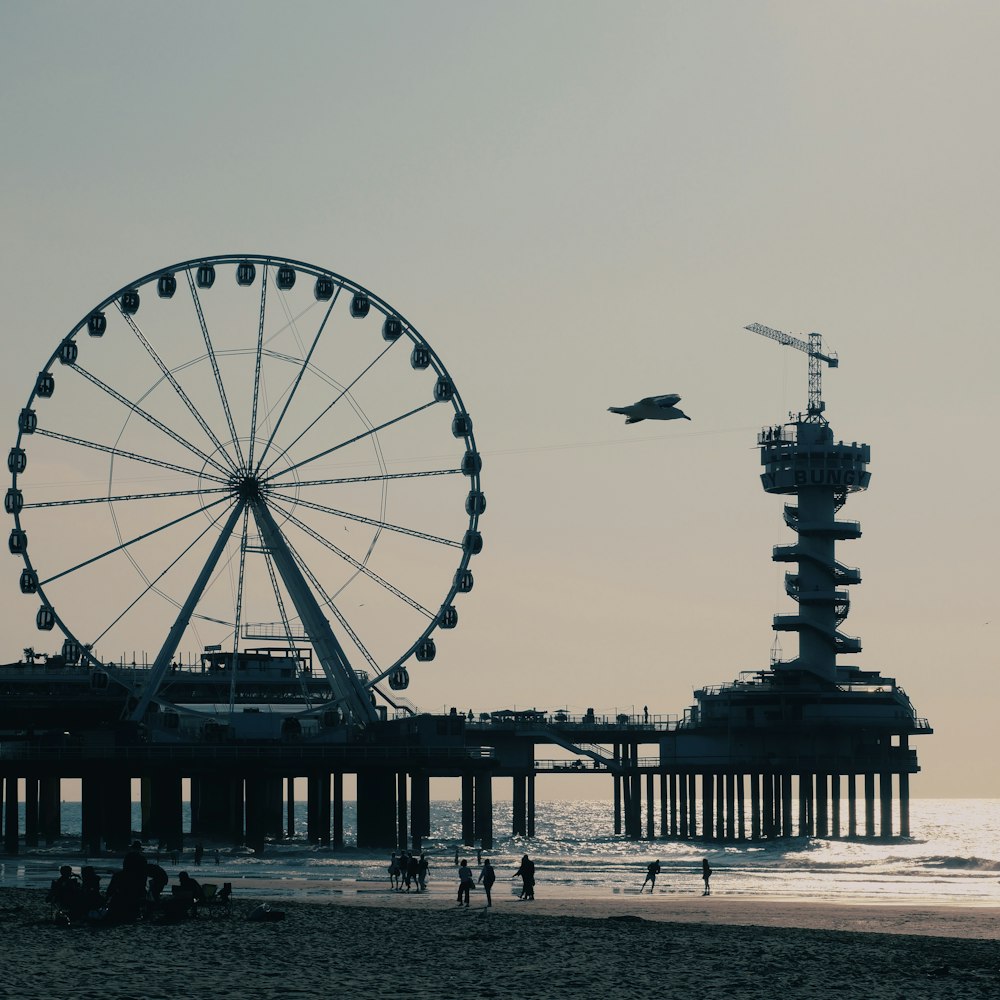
(578, 204)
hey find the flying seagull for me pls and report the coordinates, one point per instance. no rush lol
(652, 408)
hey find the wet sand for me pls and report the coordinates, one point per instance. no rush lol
(376, 943)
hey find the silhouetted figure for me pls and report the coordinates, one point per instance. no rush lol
(652, 870)
(394, 871)
(90, 883)
(404, 870)
(412, 872)
(422, 867)
(527, 874)
(188, 894)
(157, 879)
(465, 882)
(199, 853)
(706, 874)
(65, 895)
(645, 714)
(134, 861)
(488, 876)
(127, 890)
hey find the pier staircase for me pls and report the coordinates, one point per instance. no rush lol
(591, 750)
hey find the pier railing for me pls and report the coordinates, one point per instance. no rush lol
(276, 751)
(563, 720)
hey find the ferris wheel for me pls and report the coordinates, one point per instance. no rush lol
(240, 450)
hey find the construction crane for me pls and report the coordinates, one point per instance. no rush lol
(814, 348)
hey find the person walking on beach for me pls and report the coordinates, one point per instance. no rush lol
(488, 876)
(422, 867)
(412, 872)
(394, 871)
(465, 882)
(706, 874)
(652, 870)
(527, 873)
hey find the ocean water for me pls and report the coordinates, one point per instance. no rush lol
(952, 858)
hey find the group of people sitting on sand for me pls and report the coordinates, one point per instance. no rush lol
(135, 891)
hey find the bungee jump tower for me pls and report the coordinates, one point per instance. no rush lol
(801, 733)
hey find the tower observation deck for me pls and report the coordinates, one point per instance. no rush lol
(801, 460)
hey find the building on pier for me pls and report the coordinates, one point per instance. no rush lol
(794, 731)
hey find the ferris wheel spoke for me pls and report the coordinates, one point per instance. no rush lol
(256, 371)
(329, 602)
(132, 541)
(121, 453)
(361, 519)
(371, 574)
(278, 599)
(384, 477)
(151, 584)
(215, 365)
(298, 379)
(182, 395)
(149, 418)
(337, 399)
(239, 607)
(355, 439)
(287, 626)
(302, 587)
(173, 638)
(124, 497)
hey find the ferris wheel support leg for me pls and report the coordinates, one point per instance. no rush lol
(169, 648)
(343, 681)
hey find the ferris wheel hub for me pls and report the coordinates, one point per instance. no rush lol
(247, 487)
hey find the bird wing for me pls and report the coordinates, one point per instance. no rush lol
(671, 399)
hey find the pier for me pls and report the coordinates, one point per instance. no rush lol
(671, 778)
(810, 746)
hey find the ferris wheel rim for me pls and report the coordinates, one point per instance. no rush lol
(267, 261)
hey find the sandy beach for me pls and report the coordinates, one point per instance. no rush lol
(375, 943)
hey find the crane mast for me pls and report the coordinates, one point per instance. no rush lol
(813, 348)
